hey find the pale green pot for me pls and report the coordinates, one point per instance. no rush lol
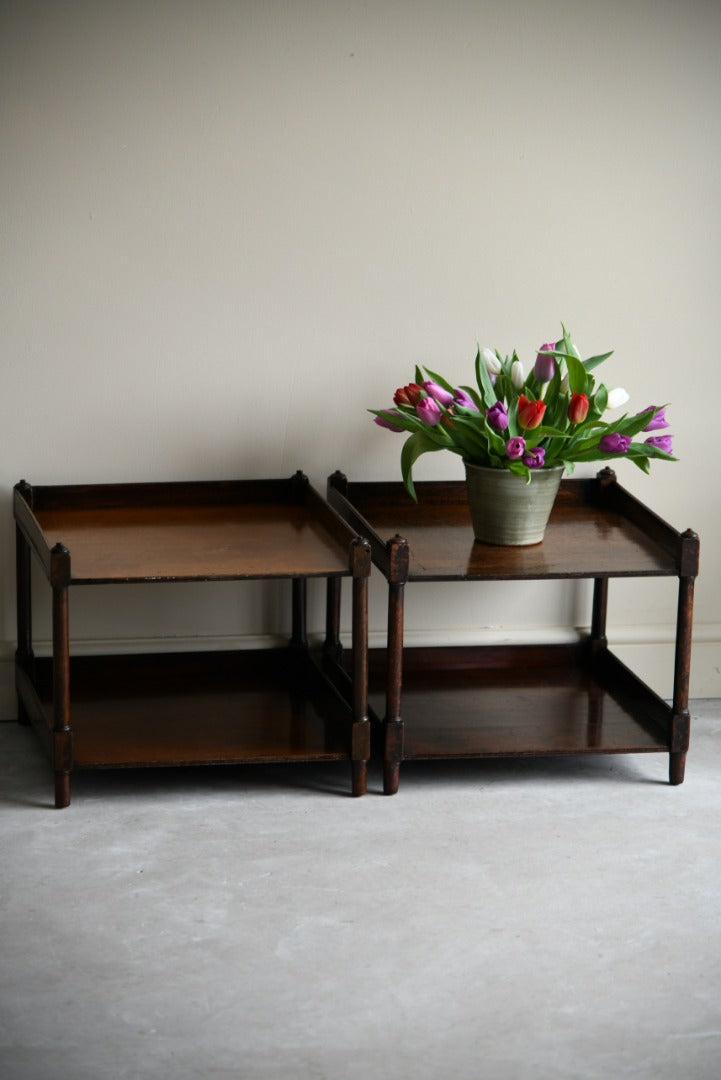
(507, 510)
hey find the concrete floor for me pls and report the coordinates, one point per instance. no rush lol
(520, 920)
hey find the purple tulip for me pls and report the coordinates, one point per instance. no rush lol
(427, 410)
(657, 421)
(497, 416)
(545, 366)
(661, 442)
(385, 423)
(535, 458)
(515, 448)
(614, 443)
(435, 391)
(464, 399)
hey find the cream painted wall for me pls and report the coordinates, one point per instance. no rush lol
(228, 228)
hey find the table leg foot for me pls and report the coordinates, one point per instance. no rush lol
(676, 767)
(62, 790)
(360, 778)
(391, 778)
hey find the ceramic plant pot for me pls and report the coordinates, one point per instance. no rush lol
(507, 510)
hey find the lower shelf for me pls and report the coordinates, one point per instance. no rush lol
(195, 709)
(520, 701)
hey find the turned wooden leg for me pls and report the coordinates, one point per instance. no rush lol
(361, 734)
(393, 724)
(598, 614)
(360, 778)
(62, 789)
(62, 735)
(299, 604)
(391, 777)
(24, 652)
(332, 645)
(676, 767)
(680, 720)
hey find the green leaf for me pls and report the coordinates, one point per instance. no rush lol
(594, 361)
(404, 421)
(497, 444)
(631, 425)
(514, 428)
(571, 349)
(639, 450)
(576, 375)
(546, 430)
(520, 469)
(418, 443)
(470, 440)
(599, 401)
(488, 394)
(555, 401)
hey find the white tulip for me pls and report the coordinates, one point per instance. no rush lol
(517, 376)
(616, 398)
(493, 364)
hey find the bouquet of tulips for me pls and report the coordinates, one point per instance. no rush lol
(553, 416)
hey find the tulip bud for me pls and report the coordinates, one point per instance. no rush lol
(578, 408)
(545, 366)
(535, 458)
(616, 398)
(530, 413)
(408, 395)
(613, 443)
(493, 364)
(464, 399)
(517, 375)
(427, 410)
(384, 422)
(515, 448)
(435, 391)
(497, 416)
(657, 421)
(661, 442)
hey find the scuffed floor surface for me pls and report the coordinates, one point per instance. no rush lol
(518, 920)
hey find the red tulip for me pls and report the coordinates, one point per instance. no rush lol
(408, 395)
(578, 408)
(530, 413)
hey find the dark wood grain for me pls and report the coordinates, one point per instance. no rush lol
(522, 700)
(587, 536)
(256, 706)
(200, 708)
(185, 532)
(490, 701)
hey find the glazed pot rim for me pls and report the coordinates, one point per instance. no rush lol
(500, 469)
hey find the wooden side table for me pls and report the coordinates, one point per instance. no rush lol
(266, 705)
(526, 700)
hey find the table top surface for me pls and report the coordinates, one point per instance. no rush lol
(128, 537)
(581, 540)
